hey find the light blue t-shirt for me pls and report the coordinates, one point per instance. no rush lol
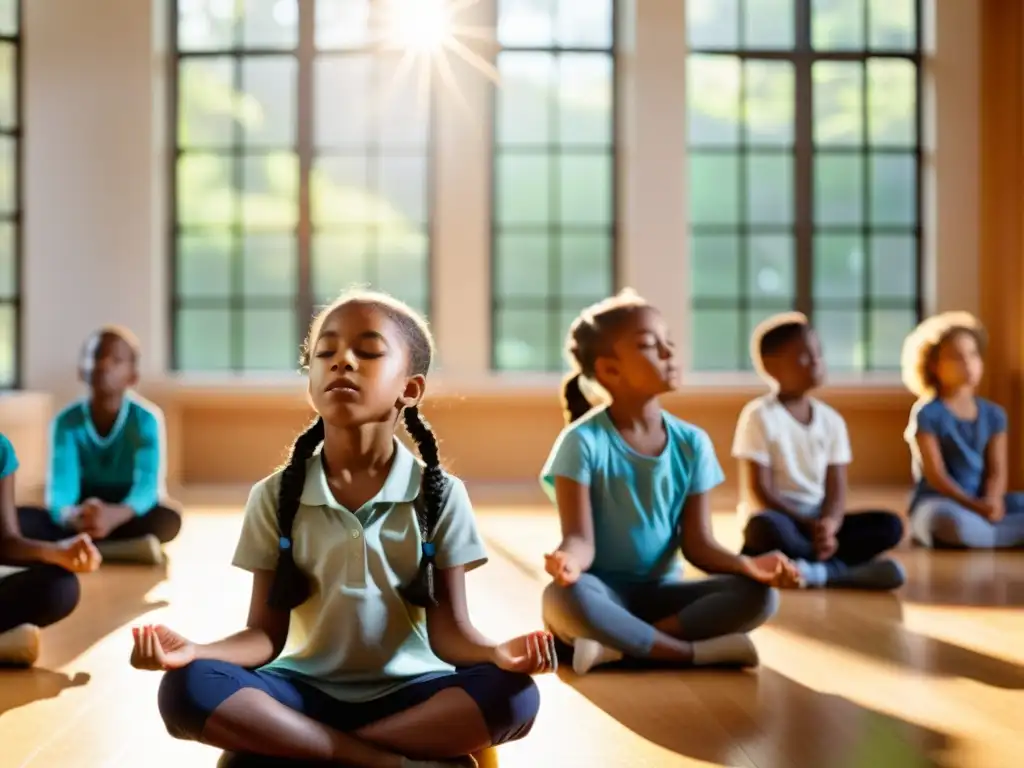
(637, 500)
(8, 458)
(963, 443)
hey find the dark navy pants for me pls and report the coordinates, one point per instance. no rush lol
(508, 701)
(862, 537)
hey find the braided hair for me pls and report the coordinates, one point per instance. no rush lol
(590, 337)
(291, 587)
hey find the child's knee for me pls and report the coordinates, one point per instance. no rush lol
(59, 592)
(67, 591)
(890, 531)
(166, 523)
(760, 601)
(188, 696)
(509, 703)
(558, 602)
(948, 528)
(761, 534)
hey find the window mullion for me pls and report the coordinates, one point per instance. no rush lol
(803, 147)
(305, 107)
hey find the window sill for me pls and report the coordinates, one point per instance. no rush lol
(199, 387)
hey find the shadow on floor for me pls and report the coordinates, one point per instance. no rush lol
(112, 597)
(757, 719)
(872, 625)
(24, 686)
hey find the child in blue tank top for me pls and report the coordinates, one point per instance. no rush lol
(957, 441)
(631, 484)
(107, 460)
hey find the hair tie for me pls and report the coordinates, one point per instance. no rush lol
(285, 543)
(428, 549)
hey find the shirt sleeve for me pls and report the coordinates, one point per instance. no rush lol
(750, 441)
(997, 419)
(8, 458)
(925, 421)
(570, 457)
(63, 481)
(146, 480)
(260, 539)
(707, 472)
(457, 540)
(840, 452)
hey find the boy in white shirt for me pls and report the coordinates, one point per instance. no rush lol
(793, 451)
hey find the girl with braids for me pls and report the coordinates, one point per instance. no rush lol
(367, 548)
(631, 483)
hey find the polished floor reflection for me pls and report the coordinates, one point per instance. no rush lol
(931, 676)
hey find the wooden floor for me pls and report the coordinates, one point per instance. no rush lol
(930, 676)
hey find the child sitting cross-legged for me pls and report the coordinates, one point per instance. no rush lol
(107, 461)
(793, 451)
(958, 441)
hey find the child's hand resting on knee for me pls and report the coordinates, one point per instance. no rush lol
(992, 508)
(528, 654)
(825, 542)
(773, 569)
(99, 519)
(562, 567)
(77, 554)
(157, 647)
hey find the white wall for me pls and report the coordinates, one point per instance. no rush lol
(93, 179)
(96, 164)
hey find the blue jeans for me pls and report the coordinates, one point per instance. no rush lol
(188, 696)
(938, 521)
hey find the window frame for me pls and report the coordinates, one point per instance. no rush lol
(552, 303)
(17, 216)
(803, 150)
(306, 54)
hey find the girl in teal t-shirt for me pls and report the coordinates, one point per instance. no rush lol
(631, 484)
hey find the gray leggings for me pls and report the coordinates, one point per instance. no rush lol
(620, 617)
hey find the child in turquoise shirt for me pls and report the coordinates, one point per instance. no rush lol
(107, 460)
(631, 484)
(38, 586)
(366, 549)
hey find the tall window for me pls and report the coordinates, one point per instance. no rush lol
(303, 167)
(804, 174)
(553, 209)
(10, 191)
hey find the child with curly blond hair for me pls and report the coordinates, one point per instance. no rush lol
(957, 441)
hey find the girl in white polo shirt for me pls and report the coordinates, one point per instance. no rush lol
(367, 548)
(793, 451)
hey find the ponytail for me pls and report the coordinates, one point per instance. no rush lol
(574, 401)
(420, 591)
(290, 587)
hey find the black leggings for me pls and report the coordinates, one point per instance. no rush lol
(162, 522)
(862, 537)
(40, 595)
